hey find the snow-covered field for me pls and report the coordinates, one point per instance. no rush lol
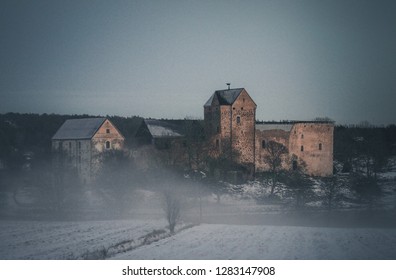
(271, 242)
(239, 226)
(69, 240)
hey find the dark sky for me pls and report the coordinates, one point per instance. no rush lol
(297, 59)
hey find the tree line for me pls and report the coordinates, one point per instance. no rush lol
(360, 151)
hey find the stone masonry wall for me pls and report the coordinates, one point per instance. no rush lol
(313, 144)
(279, 136)
(243, 118)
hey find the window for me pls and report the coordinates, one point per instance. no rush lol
(79, 145)
(241, 108)
(320, 146)
(217, 143)
(302, 136)
(107, 144)
(107, 130)
(238, 119)
(69, 145)
(218, 129)
(302, 148)
(263, 144)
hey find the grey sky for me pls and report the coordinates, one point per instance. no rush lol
(297, 59)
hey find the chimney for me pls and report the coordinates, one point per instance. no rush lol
(228, 84)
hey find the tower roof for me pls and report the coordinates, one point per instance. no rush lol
(225, 96)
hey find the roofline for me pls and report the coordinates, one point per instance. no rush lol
(90, 138)
(123, 137)
(93, 134)
(248, 95)
(228, 89)
(242, 89)
(293, 122)
(69, 139)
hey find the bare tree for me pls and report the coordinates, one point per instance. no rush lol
(275, 153)
(172, 206)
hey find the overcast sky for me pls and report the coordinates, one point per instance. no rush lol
(297, 59)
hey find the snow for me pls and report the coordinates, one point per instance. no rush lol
(390, 175)
(270, 242)
(160, 131)
(67, 240)
(264, 234)
(134, 239)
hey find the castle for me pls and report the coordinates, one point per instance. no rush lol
(231, 127)
(230, 130)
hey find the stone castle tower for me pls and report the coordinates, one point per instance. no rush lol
(232, 131)
(230, 117)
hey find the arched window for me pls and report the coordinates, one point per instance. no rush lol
(217, 143)
(302, 136)
(302, 148)
(107, 144)
(320, 146)
(238, 119)
(263, 144)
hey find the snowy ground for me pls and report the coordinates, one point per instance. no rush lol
(71, 240)
(271, 242)
(67, 240)
(239, 227)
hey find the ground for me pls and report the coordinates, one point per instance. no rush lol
(102, 239)
(68, 240)
(270, 242)
(239, 226)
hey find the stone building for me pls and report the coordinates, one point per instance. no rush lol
(80, 142)
(177, 143)
(232, 132)
(230, 125)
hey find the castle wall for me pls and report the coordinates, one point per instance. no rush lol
(231, 132)
(279, 136)
(313, 144)
(225, 127)
(243, 118)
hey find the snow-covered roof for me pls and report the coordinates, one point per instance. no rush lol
(160, 128)
(225, 97)
(274, 126)
(78, 129)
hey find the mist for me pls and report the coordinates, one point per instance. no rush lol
(145, 197)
